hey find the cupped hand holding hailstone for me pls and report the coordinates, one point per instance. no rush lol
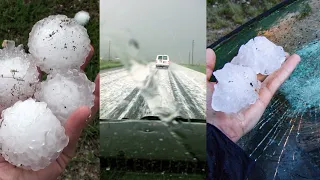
(36, 135)
(235, 125)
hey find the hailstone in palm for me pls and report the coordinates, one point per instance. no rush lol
(260, 54)
(65, 91)
(18, 75)
(59, 42)
(238, 85)
(31, 136)
(236, 89)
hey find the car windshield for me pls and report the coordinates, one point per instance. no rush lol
(285, 142)
(145, 148)
(159, 57)
(165, 57)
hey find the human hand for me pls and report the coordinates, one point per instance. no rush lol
(235, 126)
(76, 122)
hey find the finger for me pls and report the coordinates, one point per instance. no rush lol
(268, 89)
(96, 93)
(287, 55)
(40, 73)
(88, 58)
(74, 126)
(274, 81)
(210, 62)
(261, 77)
(210, 89)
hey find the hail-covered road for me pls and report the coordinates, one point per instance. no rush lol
(177, 86)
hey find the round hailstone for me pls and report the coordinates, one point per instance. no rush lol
(82, 17)
(58, 42)
(64, 92)
(18, 75)
(30, 135)
(236, 89)
(262, 55)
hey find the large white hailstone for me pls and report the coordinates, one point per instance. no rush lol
(58, 42)
(262, 55)
(30, 135)
(236, 89)
(82, 17)
(18, 75)
(64, 92)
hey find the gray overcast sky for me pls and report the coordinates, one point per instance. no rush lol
(160, 26)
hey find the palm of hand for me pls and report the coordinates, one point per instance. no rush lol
(236, 125)
(73, 128)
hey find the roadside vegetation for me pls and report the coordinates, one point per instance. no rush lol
(223, 16)
(197, 67)
(107, 64)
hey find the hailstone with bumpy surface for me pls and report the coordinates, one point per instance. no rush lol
(18, 75)
(236, 89)
(64, 92)
(30, 135)
(58, 42)
(262, 55)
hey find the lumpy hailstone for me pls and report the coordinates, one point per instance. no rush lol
(237, 88)
(58, 42)
(64, 92)
(18, 75)
(262, 55)
(30, 135)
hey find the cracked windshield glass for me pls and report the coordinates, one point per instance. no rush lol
(285, 141)
(153, 88)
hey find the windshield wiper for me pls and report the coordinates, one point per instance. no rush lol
(151, 118)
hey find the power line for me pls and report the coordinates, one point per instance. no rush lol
(192, 50)
(109, 50)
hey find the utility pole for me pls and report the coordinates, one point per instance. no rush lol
(109, 51)
(189, 57)
(192, 51)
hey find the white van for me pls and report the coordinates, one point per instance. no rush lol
(162, 61)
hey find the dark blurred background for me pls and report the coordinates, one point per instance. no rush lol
(223, 16)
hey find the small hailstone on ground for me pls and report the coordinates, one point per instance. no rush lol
(236, 89)
(82, 17)
(64, 92)
(262, 55)
(58, 42)
(18, 75)
(30, 135)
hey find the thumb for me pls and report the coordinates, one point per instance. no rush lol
(75, 124)
(210, 63)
